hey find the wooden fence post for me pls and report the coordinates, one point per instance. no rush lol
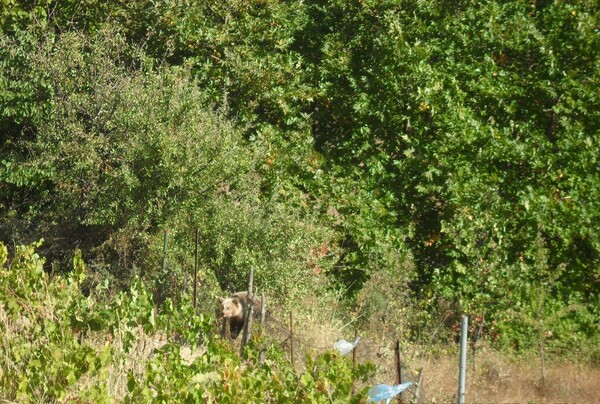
(165, 247)
(263, 309)
(354, 350)
(398, 367)
(195, 269)
(292, 340)
(249, 312)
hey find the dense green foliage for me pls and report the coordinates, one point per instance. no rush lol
(121, 152)
(453, 146)
(58, 345)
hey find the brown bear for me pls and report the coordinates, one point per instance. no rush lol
(235, 308)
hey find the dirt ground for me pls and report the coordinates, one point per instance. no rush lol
(497, 379)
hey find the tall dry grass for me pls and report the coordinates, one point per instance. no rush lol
(492, 376)
(498, 378)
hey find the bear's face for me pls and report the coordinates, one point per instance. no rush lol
(231, 307)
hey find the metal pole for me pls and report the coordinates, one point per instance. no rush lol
(464, 329)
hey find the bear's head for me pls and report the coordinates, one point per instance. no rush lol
(231, 307)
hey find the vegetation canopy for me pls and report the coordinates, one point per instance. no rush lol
(443, 156)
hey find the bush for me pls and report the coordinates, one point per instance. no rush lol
(60, 345)
(125, 151)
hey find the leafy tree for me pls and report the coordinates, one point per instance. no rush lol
(454, 134)
(123, 151)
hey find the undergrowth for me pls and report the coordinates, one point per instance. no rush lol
(59, 345)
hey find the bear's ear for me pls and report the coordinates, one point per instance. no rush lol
(221, 299)
(236, 301)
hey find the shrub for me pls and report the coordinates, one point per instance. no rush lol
(60, 345)
(126, 150)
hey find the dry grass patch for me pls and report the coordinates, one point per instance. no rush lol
(499, 379)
